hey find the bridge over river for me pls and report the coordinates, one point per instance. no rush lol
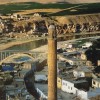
(65, 37)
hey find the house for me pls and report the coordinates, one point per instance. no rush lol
(22, 73)
(8, 66)
(71, 45)
(96, 82)
(79, 87)
(88, 95)
(76, 61)
(82, 72)
(36, 15)
(12, 92)
(41, 78)
(72, 59)
(29, 65)
(63, 65)
(18, 82)
(60, 78)
(68, 83)
(42, 89)
(72, 86)
(87, 45)
(59, 82)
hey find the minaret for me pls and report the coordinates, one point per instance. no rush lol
(52, 63)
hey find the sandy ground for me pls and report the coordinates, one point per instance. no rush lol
(39, 10)
(49, 1)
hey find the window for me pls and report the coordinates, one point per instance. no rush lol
(71, 88)
(83, 63)
(94, 82)
(68, 87)
(63, 83)
(58, 81)
(66, 84)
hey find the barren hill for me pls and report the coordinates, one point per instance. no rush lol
(49, 1)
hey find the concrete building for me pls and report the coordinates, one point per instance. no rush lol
(82, 72)
(18, 82)
(29, 65)
(71, 86)
(87, 95)
(21, 73)
(96, 83)
(16, 93)
(72, 58)
(87, 45)
(59, 82)
(63, 65)
(41, 78)
(75, 61)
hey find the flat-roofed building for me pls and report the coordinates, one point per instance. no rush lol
(82, 72)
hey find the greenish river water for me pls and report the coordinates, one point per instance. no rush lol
(29, 45)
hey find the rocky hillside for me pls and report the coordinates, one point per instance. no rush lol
(88, 18)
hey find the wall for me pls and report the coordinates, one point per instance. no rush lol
(42, 95)
(77, 62)
(87, 95)
(88, 74)
(59, 82)
(68, 87)
(95, 84)
(78, 74)
(82, 94)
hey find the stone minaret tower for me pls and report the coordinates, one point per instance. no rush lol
(52, 63)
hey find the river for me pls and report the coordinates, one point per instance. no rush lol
(32, 44)
(29, 45)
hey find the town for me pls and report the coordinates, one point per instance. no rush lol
(24, 74)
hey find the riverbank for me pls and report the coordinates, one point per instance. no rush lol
(44, 48)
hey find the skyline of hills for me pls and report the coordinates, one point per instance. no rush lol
(51, 1)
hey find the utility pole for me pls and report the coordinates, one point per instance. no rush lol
(52, 63)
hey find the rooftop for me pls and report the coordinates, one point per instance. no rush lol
(19, 79)
(83, 69)
(60, 94)
(97, 79)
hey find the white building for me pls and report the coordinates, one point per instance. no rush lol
(87, 95)
(72, 87)
(40, 78)
(87, 45)
(68, 86)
